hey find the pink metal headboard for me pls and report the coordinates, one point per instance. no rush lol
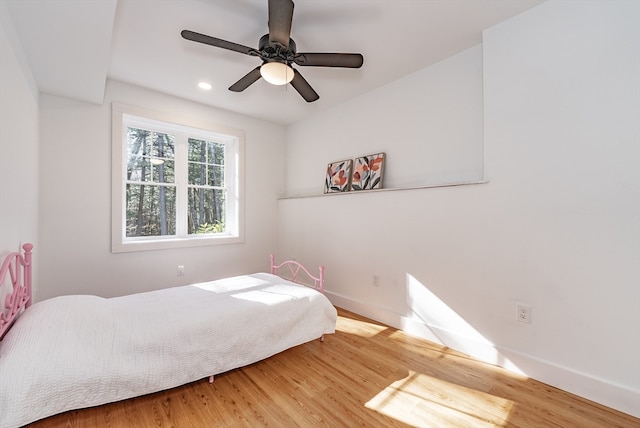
(19, 268)
(295, 268)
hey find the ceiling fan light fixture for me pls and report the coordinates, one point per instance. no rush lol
(276, 73)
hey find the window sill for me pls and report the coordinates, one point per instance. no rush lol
(171, 243)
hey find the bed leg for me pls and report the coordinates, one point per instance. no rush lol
(322, 338)
(211, 379)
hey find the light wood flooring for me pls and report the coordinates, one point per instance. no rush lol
(366, 375)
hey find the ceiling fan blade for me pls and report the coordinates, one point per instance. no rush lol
(219, 43)
(348, 60)
(303, 87)
(246, 81)
(280, 18)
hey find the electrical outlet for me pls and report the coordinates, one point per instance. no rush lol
(180, 270)
(375, 280)
(524, 313)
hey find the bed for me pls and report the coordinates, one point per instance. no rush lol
(78, 351)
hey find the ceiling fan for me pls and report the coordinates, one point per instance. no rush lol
(278, 53)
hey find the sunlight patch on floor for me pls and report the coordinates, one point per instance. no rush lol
(359, 328)
(421, 400)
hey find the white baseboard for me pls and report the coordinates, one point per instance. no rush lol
(606, 393)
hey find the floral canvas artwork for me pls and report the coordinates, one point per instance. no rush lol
(338, 176)
(367, 172)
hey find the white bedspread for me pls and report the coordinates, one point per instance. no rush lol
(73, 352)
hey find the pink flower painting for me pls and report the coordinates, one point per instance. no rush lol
(338, 177)
(367, 172)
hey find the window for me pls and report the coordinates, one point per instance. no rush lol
(173, 185)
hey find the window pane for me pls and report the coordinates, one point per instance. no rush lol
(216, 153)
(150, 156)
(163, 145)
(149, 143)
(198, 173)
(138, 169)
(197, 150)
(206, 210)
(206, 160)
(216, 175)
(150, 210)
(163, 172)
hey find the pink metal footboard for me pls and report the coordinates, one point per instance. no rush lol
(294, 269)
(18, 267)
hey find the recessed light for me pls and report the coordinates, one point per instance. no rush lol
(205, 86)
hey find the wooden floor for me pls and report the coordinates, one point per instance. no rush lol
(367, 374)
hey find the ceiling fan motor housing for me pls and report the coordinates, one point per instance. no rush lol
(276, 52)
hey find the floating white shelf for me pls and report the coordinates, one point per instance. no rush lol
(391, 189)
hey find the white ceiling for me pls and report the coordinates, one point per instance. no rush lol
(73, 46)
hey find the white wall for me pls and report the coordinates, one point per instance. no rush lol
(429, 124)
(557, 227)
(562, 102)
(18, 144)
(75, 227)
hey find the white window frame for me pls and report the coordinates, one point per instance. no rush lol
(126, 116)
